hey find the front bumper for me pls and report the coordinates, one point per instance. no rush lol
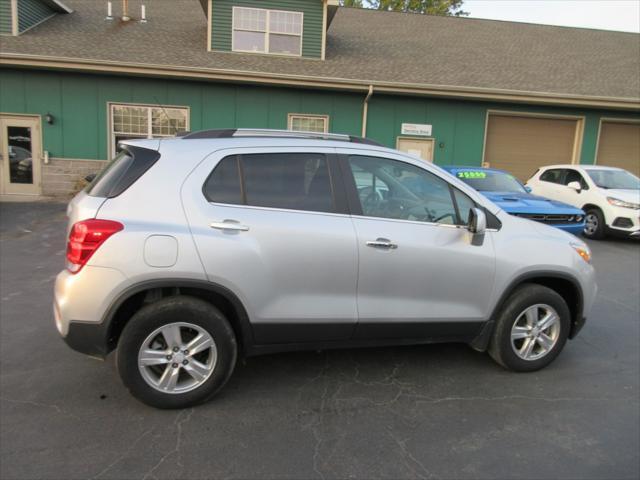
(632, 228)
(572, 228)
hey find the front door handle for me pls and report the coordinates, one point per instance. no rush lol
(229, 225)
(382, 243)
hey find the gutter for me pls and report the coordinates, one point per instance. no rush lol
(365, 111)
(202, 73)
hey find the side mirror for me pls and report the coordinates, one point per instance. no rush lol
(527, 188)
(477, 221)
(89, 178)
(575, 186)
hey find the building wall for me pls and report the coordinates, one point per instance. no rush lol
(459, 126)
(5, 17)
(31, 12)
(222, 12)
(80, 129)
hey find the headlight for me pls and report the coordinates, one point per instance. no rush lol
(621, 203)
(582, 250)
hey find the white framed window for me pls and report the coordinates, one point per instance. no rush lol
(259, 30)
(144, 121)
(308, 123)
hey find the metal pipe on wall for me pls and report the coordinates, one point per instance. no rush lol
(365, 111)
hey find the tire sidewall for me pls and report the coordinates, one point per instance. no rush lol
(171, 310)
(527, 296)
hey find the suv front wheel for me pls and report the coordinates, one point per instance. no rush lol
(594, 226)
(531, 329)
(177, 352)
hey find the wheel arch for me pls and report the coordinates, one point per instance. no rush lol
(563, 284)
(590, 206)
(144, 293)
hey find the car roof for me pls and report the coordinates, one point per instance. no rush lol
(452, 168)
(584, 167)
(230, 138)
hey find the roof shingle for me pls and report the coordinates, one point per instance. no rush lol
(363, 46)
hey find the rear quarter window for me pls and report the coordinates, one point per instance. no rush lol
(122, 172)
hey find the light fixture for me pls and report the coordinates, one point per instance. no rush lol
(49, 118)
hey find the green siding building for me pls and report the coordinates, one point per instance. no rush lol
(454, 91)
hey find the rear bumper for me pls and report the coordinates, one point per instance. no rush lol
(88, 338)
(80, 302)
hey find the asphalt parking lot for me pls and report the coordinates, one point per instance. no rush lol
(441, 411)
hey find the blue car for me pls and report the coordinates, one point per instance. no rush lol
(508, 193)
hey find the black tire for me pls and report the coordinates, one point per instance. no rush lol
(601, 227)
(525, 296)
(169, 310)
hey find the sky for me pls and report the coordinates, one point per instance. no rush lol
(621, 15)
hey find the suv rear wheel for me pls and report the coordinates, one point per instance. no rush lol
(177, 352)
(531, 329)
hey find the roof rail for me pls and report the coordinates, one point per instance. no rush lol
(267, 133)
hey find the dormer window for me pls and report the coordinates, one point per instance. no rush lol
(259, 30)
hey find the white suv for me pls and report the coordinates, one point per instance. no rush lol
(609, 196)
(185, 253)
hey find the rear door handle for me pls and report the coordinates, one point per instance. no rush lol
(229, 225)
(382, 243)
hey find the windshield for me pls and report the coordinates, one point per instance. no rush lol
(615, 179)
(488, 181)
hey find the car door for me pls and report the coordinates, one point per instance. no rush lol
(549, 184)
(271, 226)
(421, 274)
(569, 195)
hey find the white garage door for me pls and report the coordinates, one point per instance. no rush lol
(520, 144)
(619, 146)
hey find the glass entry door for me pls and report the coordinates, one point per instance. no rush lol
(20, 152)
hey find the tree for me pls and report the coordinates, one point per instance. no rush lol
(431, 7)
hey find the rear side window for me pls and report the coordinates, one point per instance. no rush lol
(122, 172)
(553, 176)
(223, 186)
(294, 181)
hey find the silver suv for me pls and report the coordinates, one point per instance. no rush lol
(187, 252)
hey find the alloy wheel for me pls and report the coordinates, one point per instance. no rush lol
(177, 357)
(535, 332)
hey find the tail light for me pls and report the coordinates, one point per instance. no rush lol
(85, 238)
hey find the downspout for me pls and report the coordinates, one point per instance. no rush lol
(365, 111)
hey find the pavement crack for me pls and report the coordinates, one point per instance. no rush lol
(178, 423)
(40, 404)
(133, 445)
(410, 460)
(427, 399)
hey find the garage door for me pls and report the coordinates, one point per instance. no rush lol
(522, 144)
(619, 146)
